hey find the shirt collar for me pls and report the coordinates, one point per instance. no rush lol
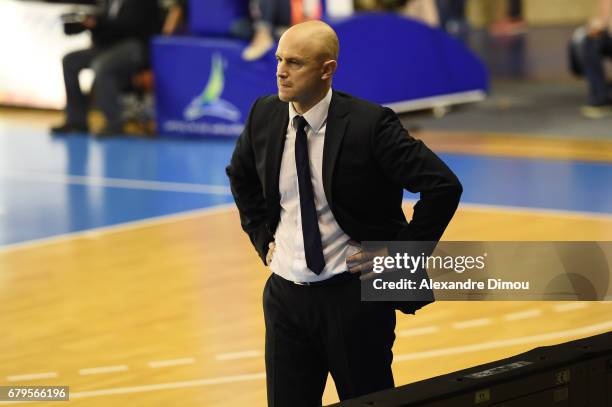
(316, 116)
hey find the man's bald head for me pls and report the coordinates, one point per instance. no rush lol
(317, 36)
(306, 57)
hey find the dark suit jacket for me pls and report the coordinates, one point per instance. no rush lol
(368, 160)
(136, 19)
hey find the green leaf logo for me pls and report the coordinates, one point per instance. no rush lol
(209, 102)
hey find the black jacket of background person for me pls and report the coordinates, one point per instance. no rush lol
(138, 19)
(368, 159)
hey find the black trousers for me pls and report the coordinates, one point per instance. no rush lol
(113, 67)
(313, 330)
(275, 12)
(595, 50)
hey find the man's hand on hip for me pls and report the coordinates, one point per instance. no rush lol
(361, 261)
(271, 247)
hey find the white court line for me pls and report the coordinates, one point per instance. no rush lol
(103, 369)
(570, 306)
(105, 182)
(583, 331)
(437, 101)
(31, 376)
(532, 313)
(527, 210)
(167, 386)
(587, 330)
(137, 224)
(171, 362)
(238, 355)
(418, 331)
(163, 219)
(472, 323)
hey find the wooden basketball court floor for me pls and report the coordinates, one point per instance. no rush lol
(124, 273)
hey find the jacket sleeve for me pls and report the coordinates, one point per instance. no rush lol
(248, 191)
(409, 163)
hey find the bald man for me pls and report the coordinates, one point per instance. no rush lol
(315, 172)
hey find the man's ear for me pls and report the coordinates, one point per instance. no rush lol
(329, 68)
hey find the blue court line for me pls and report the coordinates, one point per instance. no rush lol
(534, 183)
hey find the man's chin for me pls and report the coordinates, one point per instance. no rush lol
(284, 97)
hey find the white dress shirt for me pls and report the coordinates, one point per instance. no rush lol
(289, 259)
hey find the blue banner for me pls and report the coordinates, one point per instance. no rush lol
(203, 87)
(214, 17)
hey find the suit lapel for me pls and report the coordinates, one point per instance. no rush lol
(276, 145)
(337, 121)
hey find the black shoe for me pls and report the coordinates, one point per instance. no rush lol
(598, 111)
(69, 128)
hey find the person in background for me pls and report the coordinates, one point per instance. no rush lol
(422, 10)
(595, 48)
(512, 22)
(451, 14)
(270, 18)
(120, 46)
(176, 17)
